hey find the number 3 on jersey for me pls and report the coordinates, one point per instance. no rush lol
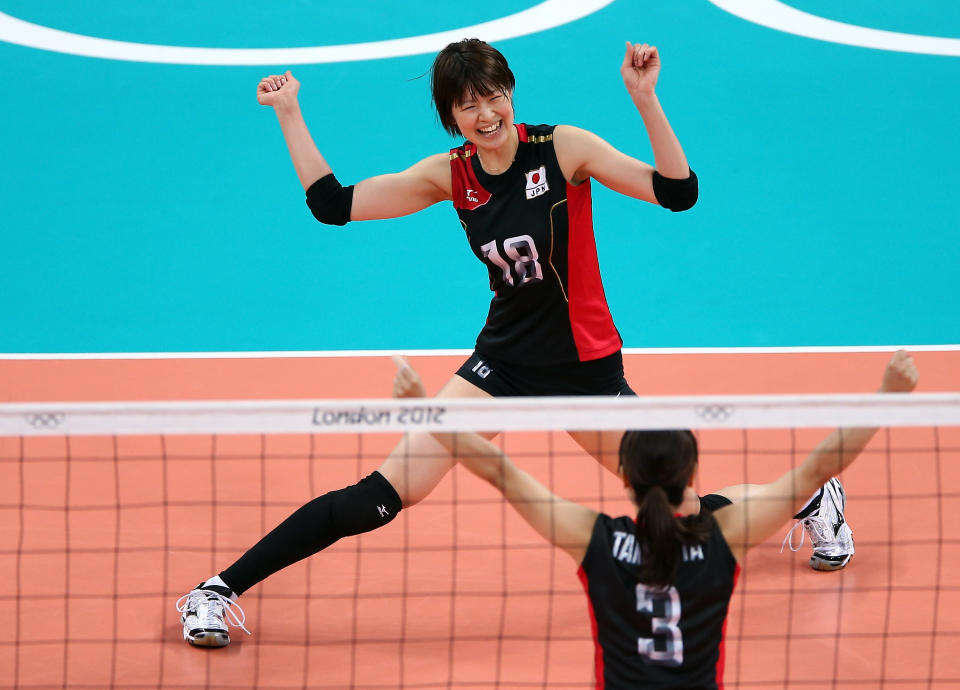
(665, 628)
(523, 252)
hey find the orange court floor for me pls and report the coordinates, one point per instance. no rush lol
(99, 537)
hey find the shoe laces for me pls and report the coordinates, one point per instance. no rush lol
(788, 540)
(229, 610)
(819, 533)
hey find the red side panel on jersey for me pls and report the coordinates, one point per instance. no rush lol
(594, 334)
(723, 634)
(466, 190)
(597, 649)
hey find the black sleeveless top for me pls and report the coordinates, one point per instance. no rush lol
(651, 638)
(534, 232)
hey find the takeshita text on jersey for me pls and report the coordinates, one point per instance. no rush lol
(657, 638)
(534, 232)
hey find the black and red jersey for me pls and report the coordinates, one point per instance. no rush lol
(534, 232)
(657, 638)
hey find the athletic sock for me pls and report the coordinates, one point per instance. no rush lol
(217, 585)
(365, 506)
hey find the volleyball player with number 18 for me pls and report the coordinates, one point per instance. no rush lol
(522, 194)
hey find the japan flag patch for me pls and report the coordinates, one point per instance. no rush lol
(537, 182)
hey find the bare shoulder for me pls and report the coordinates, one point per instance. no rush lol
(566, 137)
(569, 135)
(437, 165)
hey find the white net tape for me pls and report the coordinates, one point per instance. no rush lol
(435, 414)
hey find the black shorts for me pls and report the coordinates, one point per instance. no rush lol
(714, 502)
(602, 376)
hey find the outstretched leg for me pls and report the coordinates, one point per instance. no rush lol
(406, 477)
(604, 446)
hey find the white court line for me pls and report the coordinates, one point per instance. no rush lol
(541, 17)
(309, 354)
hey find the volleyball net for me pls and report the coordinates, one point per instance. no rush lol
(110, 512)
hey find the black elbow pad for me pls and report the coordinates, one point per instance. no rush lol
(329, 202)
(674, 194)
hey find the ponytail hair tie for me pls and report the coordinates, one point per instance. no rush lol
(673, 492)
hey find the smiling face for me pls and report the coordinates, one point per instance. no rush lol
(486, 120)
(472, 89)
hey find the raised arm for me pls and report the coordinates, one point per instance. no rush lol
(751, 521)
(406, 381)
(384, 196)
(582, 154)
(563, 523)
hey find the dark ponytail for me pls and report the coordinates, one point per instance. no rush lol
(658, 465)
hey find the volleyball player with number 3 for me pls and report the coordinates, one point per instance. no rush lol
(660, 582)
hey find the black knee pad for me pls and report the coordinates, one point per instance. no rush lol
(370, 503)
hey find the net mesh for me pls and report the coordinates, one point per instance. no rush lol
(109, 513)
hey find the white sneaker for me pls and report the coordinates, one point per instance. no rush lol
(206, 613)
(830, 535)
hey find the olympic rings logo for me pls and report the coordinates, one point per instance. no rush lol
(46, 420)
(714, 413)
